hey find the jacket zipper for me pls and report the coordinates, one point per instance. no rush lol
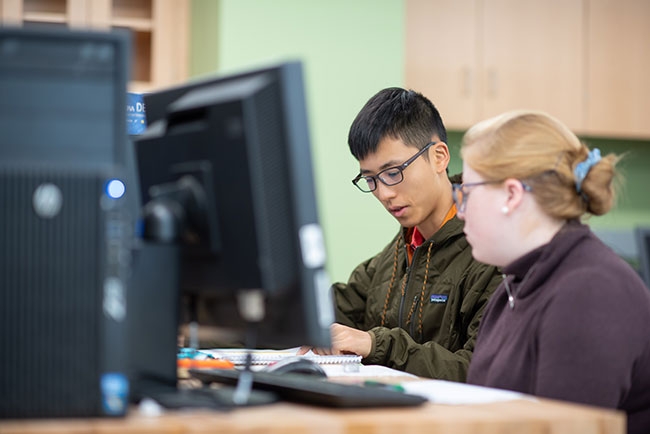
(408, 278)
(401, 300)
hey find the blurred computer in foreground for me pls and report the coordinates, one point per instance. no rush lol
(66, 219)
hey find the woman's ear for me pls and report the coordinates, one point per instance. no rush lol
(514, 193)
(439, 156)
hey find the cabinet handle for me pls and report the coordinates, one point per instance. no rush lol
(493, 83)
(466, 90)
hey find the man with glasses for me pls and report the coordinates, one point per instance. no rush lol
(416, 305)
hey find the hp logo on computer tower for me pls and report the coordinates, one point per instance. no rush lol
(47, 200)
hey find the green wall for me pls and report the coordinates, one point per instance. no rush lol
(633, 201)
(351, 49)
(633, 198)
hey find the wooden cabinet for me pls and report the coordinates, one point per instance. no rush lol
(160, 31)
(587, 62)
(442, 57)
(477, 58)
(618, 68)
(533, 57)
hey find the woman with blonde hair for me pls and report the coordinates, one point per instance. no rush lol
(571, 320)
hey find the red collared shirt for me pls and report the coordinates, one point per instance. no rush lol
(417, 238)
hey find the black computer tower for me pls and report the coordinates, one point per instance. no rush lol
(64, 267)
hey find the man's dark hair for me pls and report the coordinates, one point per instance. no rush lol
(397, 113)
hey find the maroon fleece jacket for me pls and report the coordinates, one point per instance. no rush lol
(579, 330)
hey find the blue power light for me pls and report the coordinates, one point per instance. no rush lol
(115, 189)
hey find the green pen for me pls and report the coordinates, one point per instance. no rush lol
(373, 383)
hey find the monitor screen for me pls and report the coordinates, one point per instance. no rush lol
(642, 235)
(226, 173)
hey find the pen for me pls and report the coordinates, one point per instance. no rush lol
(373, 383)
(205, 363)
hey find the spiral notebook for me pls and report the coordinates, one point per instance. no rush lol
(266, 357)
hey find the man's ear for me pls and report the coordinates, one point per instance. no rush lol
(439, 156)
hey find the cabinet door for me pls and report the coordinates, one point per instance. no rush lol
(442, 57)
(619, 68)
(533, 57)
(478, 58)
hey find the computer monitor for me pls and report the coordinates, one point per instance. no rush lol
(642, 235)
(226, 173)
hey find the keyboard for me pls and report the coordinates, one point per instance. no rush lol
(307, 389)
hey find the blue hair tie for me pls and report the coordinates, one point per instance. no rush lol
(583, 168)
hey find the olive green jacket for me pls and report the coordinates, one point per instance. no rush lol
(428, 333)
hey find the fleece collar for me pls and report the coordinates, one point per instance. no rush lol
(536, 265)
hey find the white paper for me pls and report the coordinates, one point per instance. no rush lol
(357, 370)
(450, 392)
(266, 357)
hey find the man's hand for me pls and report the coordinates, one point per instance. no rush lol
(345, 340)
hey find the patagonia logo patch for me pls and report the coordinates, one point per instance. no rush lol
(438, 298)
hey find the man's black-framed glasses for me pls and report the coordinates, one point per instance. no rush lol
(460, 192)
(389, 176)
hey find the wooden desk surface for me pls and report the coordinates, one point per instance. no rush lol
(517, 417)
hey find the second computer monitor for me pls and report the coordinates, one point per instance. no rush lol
(226, 172)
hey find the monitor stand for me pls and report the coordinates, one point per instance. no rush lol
(153, 308)
(221, 397)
